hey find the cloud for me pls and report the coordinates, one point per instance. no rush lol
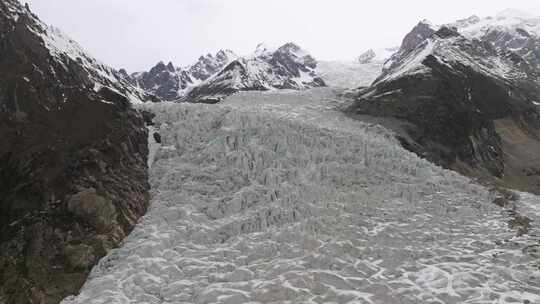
(136, 33)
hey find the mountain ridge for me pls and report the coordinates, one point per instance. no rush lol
(457, 97)
(288, 66)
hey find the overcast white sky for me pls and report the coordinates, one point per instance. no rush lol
(135, 34)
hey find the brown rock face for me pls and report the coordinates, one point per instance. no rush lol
(94, 209)
(73, 176)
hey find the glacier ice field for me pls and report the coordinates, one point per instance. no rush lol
(278, 197)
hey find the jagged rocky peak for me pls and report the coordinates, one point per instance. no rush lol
(417, 35)
(290, 47)
(213, 77)
(161, 67)
(123, 72)
(162, 80)
(225, 55)
(293, 50)
(447, 32)
(171, 83)
(208, 65)
(423, 30)
(288, 67)
(294, 58)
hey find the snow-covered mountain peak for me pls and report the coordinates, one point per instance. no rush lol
(509, 31)
(420, 32)
(293, 49)
(508, 20)
(213, 77)
(263, 49)
(210, 59)
(225, 55)
(170, 82)
(290, 49)
(449, 48)
(209, 64)
(288, 67)
(292, 57)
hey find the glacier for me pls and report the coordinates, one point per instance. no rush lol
(278, 197)
(349, 74)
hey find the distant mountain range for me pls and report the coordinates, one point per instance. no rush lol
(214, 77)
(170, 83)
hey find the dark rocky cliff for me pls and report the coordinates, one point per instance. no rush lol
(465, 106)
(73, 178)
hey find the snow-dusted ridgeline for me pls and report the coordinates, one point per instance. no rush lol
(68, 53)
(509, 20)
(279, 198)
(214, 77)
(287, 67)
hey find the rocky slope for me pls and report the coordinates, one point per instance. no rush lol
(460, 101)
(73, 178)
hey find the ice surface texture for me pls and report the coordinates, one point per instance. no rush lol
(279, 198)
(352, 74)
